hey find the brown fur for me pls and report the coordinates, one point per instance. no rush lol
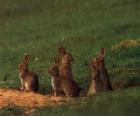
(69, 87)
(62, 84)
(65, 61)
(67, 84)
(29, 79)
(54, 72)
(100, 77)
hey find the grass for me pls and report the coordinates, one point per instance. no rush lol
(39, 27)
(11, 111)
(117, 103)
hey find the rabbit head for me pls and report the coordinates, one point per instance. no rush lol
(54, 69)
(66, 58)
(23, 66)
(98, 63)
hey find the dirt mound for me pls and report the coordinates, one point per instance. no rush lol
(26, 99)
(126, 44)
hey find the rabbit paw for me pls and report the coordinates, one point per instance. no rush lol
(55, 94)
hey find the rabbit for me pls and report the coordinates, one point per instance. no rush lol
(100, 77)
(54, 72)
(69, 86)
(65, 61)
(62, 85)
(29, 80)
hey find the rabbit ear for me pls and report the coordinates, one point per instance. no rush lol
(26, 58)
(62, 50)
(102, 53)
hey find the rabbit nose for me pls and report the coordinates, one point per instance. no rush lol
(69, 59)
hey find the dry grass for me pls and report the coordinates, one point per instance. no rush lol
(27, 99)
(126, 44)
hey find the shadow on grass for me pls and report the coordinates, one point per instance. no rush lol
(12, 111)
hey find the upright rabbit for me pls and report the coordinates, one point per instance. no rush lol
(100, 77)
(65, 61)
(29, 80)
(54, 72)
(66, 85)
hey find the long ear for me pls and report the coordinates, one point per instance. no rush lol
(102, 53)
(61, 50)
(26, 58)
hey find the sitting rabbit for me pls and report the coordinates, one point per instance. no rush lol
(100, 77)
(65, 63)
(54, 72)
(29, 80)
(61, 84)
(69, 86)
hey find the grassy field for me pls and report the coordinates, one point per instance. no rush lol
(82, 26)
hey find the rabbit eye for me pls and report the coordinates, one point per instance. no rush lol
(20, 65)
(96, 59)
(67, 57)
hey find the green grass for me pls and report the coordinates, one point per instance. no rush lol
(11, 111)
(82, 26)
(121, 103)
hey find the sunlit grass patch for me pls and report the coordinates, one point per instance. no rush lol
(127, 43)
